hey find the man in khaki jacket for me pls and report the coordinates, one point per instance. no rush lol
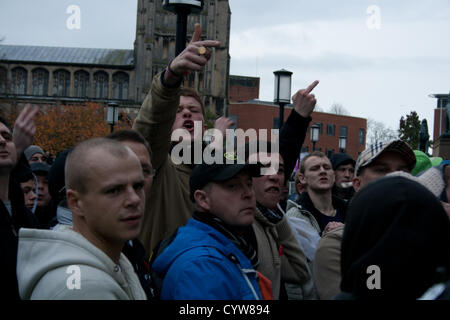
(166, 108)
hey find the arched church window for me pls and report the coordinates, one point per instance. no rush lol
(120, 85)
(3, 81)
(101, 85)
(19, 80)
(81, 84)
(61, 83)
(40, 82)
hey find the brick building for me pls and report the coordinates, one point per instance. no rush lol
(440, 116)
(249, 112)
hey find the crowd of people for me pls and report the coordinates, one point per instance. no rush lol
(116, 218)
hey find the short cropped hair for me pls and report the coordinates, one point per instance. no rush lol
(130, 135)
(319, 154)
(77, 171)
(189, 92)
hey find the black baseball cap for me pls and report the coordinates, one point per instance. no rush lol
(39, 167)
(206, 173)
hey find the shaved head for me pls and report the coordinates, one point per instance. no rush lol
(77, 168)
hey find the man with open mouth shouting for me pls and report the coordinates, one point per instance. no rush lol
(169, 106)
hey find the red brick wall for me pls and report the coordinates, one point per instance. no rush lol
(261, 116)
(243, 89)
(437, 116)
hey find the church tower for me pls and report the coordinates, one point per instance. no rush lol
(154, 47)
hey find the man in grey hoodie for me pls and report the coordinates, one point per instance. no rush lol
(85, 262)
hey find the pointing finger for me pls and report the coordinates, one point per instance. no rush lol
(197, 33)
(311, 86)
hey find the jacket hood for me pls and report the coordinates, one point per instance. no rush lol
(291, 204)
(195, 234)
(399, 226)
(41, 251)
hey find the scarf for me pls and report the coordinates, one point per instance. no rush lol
(273, 216)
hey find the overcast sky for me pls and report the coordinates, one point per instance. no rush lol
(380, 59)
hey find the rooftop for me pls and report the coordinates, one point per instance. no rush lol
(65, 55)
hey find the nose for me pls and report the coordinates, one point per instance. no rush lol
(186, 113)
(133, 198)
(247, 191)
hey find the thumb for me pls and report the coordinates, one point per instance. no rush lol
(197, 33)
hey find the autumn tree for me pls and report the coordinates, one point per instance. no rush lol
(59, 128)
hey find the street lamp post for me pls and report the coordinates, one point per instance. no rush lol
(342, 143)
(182, 8)
(315, 129)
(113, 114)
(282, 95)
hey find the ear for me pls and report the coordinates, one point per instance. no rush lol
(301, 178)
(356, 183)
(202, 200)
(299, 188)
(74, 202)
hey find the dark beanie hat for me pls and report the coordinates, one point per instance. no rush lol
(339, 159)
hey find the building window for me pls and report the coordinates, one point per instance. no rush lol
(320, 124)
(361, 136)
(3, 81)
(120, 85)
(61, 83)
(101, 84)
(81, 84)
(343, 131)
(304, 149)
(19, 81)
(331, 128)
(40, 82)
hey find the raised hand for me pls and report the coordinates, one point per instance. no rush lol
(223, 123)
(24, 128)
(304, 102)
(192, 58)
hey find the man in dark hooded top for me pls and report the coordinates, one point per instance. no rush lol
(396, 241)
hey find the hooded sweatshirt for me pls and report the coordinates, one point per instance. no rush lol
(61, 264)
(396, 236)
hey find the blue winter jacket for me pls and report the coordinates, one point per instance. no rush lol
(202, 264)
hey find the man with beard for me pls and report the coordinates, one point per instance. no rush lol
(169, 107)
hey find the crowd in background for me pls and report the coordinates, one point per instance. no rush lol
(116, 218)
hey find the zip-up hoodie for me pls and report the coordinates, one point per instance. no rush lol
(203, 264)
(61, 264)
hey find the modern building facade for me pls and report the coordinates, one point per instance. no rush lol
(250, 113)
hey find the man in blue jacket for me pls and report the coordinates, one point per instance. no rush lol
(209, 259)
